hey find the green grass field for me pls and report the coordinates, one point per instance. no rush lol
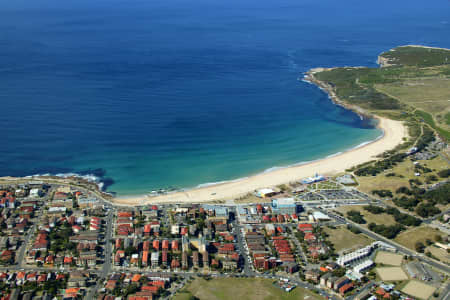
(429, 119)
(431, 95)
(369, 217)
(417, 56)
(240, 288)
(343, 239)
(327, 185)
(417, 78)
(410, 237)
(404, 171)
(439, 253)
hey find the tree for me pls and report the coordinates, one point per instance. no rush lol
(406, 202)
(440, 195)
(403, 190)
(339, 272)
(300, 236)
(353, 229)
(420, 247)
(356, 217)
(426, 210)
(444, 173)
(130, 250)
(131, 289)
(387, 231)
(200, 223)
(431, 178)
(374, 209)
(382, 193)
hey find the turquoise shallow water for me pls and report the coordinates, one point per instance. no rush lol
(152, 94)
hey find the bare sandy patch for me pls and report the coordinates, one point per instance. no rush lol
(388, 258)
(391, 274)
(418, 289)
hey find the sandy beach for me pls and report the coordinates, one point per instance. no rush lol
(394, 132)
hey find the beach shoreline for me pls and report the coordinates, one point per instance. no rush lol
(394, 133)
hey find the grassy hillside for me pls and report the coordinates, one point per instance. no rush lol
(417, 56)
(414, 84)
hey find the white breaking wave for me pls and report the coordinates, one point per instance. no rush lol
(335, 154)
(218, 182)
(272, 169)
(88, 177)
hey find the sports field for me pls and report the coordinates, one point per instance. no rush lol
(439, 253)
(389, 258)
(418, 289)
(391, 274)
(241, 288)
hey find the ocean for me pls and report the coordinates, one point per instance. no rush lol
(149, 94)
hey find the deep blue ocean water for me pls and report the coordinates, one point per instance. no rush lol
(151, 94)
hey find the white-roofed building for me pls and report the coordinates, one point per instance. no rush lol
(363, 266)
(319, 216)
(155, 259)
(343, 260)
(265, 193)
(34, 193)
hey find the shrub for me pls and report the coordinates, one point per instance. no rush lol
(444, 173)
(426, 210)
(406, 202)
(439, 195)
(356, 217)
(420, 247)
(389, 232)
(382, 193)
(374, 209)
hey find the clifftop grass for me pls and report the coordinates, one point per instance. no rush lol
(414, 83)
(417, 56)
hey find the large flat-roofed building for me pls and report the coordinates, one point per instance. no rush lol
(284, 206)
(84, 202)
(221, 212)
(319, 216)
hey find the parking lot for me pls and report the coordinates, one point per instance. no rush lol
(420, 271)
(338, 195)
(311, 196)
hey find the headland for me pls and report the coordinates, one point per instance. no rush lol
(363, 99)
(357, 89)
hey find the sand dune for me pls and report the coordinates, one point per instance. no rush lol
(394, 132)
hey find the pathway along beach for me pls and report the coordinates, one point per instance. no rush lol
(394, 134)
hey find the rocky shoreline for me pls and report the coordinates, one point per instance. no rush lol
(329, 89)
